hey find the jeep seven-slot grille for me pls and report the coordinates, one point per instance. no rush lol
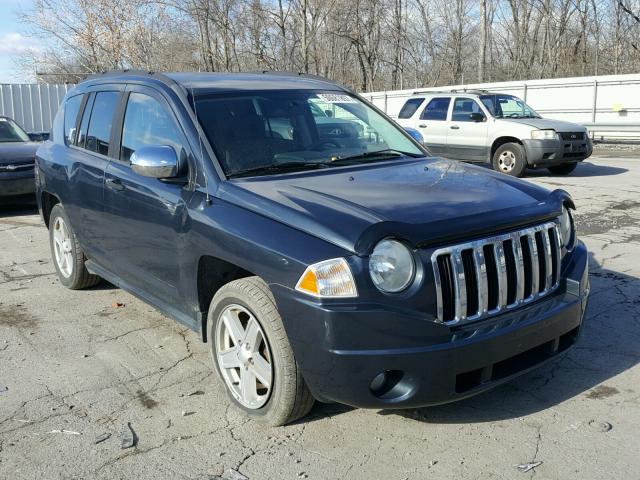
(481, 278)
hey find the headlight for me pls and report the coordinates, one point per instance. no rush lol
(391, 266)
(544, 135)
(328, 279)
(566, 229)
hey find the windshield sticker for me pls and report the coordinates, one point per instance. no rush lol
(336, 98)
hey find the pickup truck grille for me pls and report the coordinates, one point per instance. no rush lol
(484, 277)
(571, 135)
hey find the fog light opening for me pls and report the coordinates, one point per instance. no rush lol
(389, 384)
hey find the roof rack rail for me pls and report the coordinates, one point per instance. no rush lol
(453, 90)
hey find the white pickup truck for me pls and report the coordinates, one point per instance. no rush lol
(497, 128)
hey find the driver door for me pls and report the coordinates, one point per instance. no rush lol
(146, 215)
(467, 136)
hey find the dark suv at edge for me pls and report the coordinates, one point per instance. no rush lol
(320, 259)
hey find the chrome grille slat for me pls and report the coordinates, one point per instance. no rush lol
(501, 266)
(517, 254)
(508, 268)
(535, 265)
(481, 275)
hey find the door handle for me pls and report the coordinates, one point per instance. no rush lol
(422, 125)
(454, 127)
(114, 184)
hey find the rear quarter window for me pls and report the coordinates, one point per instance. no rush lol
(410, 107)
(71, 110)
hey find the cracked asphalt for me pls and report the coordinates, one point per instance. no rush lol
(78, 365)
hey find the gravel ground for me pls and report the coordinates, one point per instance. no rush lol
(76, 367)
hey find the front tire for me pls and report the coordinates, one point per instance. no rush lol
(252, 355)
(68, 257)
(564, 169)
(511, 159)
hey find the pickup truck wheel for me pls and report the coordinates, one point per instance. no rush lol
(511, 159)
(251, 353)
(68, 257)
(564, 169)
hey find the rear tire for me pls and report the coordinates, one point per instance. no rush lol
(510, 159)
(243, 363)
(68, 257)
(564, 169)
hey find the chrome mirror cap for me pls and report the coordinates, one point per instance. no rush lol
(157, 161)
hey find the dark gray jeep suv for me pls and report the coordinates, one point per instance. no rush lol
(313, 243)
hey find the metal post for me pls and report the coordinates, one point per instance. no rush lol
(595, 101)
(385, 101)
(525, 93)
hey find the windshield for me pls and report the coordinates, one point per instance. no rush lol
(10, 131)
(267, 132)
(507, 106)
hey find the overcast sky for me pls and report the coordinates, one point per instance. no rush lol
(13, 42)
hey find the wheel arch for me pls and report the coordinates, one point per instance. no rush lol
(213, 273)
(48, 201)
(498, 142)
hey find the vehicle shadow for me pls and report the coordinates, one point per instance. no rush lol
(603, 351)
(584, 169)
(17, 208)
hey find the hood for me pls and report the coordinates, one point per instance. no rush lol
(423, 201)
(17, 152)
(547, 123)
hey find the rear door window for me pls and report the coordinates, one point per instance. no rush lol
(147, 122)
(436, 109)
(99, 131)
(71, 110)
(410, 107)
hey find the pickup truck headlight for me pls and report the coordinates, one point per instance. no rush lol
(328, 279)
(567, 231)
(544, 135)
(391, 266)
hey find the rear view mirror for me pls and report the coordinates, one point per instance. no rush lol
(157, 161)
(476, 117)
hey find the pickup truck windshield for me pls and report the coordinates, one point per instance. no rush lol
(507, 106)
(268, 132)
(11, 132)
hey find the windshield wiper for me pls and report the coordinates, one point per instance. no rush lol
(375, 153)
(275, 168)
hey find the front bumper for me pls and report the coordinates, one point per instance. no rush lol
(427, 363)
(547, 153)
(13, 186)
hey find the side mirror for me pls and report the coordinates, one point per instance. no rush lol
(476, 117)
(417, 136)
(157, 161)
(38, 136)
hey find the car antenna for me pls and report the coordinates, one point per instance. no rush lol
(204, 168)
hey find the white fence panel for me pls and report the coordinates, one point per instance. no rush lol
(33, 106)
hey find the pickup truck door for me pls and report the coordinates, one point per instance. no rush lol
(147, 216)
(467, 137)
(432, 124)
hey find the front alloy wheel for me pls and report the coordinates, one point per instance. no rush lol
(244, 357)
(251, 353)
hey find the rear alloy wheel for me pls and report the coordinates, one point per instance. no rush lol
(251, 353)
(510, 158)
(68, 257)
(564, 169)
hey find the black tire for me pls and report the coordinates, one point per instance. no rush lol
(290, 398)
(564, 169)
(515, 154)
(78, 277)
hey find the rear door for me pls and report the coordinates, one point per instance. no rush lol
(88, 156)
(147, 216)
(433, 124)
(467, 138)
